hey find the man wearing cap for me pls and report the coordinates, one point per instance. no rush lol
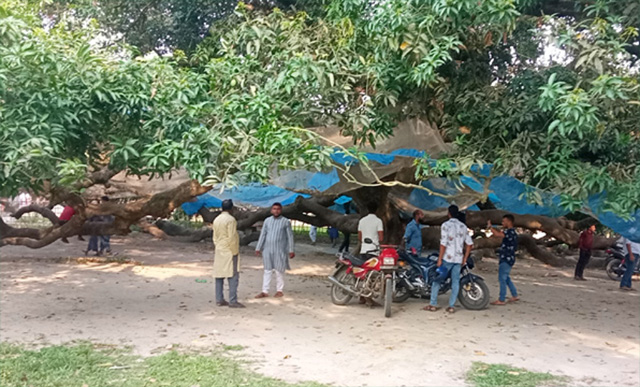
(276, 247)
(225, 263)
(455, 247)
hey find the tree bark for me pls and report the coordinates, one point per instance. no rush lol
(550, 226)
(528, 243)
(389, 213)
(44, 211)
(158, 206)
(313, 211)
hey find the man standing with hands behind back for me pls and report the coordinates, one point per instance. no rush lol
(225, 263)
(370, 227)
(455, 247)
(276, 246)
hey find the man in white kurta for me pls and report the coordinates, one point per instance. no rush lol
(276, 246)
(225, 263)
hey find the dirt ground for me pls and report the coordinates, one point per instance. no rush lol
(588, 331)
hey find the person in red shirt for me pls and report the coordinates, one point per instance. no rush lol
(65, 216)
(585, 242)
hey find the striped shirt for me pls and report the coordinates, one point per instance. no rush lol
(275, 243)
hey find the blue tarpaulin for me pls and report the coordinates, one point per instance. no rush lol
(507, 193)
(258, 195)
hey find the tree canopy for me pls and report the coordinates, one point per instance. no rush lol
(546, 91)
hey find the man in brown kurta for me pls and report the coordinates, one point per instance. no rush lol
(225, 262)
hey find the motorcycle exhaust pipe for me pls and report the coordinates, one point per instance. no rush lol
(343, 287)
(407, 284)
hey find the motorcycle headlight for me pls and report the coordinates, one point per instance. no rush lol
(388, 261)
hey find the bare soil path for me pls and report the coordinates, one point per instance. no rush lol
(589, 331)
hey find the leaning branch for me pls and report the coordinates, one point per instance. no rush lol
(158, 206)
(44, 211)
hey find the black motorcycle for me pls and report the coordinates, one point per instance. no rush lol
(615, 263)
(416, 275)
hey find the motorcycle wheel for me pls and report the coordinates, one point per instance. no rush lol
(612, 269)
(474, 295)
(401, 293)
(339, 296)
(388, 296)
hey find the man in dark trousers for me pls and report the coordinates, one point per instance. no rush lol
(507, 259)
(585, 242)
(345, 244)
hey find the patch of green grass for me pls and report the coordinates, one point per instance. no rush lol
(502, 375)
(81, 364)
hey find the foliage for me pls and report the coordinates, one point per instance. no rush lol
(552, 100)
(501, 375)
(555, 104)
(162, 26)
(70, 107)
(86, 364)
(230, 112)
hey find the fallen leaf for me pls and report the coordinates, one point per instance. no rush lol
(513, 373)
(480, 353)
(488, 39)
(287, 357)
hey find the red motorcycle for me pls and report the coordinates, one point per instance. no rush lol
(372, 278)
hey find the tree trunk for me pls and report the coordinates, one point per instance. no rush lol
(390, 215)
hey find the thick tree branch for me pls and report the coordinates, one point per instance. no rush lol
(44, 211)
(550, 226)
(525, 242)
(158, 206)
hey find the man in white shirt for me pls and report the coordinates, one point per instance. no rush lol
(633, 250)
(370, 227)
(455, 247)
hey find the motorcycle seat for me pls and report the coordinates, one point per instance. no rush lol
(427, 260)
(424, 261)
(356, 260)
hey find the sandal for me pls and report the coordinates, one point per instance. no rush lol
(514, 299)
(498, 302)
(451, 310)
(262, 295)
(430, 308)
